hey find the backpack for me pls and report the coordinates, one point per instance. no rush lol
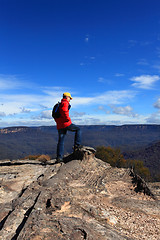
(55, 111)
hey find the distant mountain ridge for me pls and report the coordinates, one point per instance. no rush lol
(12, 130)
(17, 142)
(140, 142)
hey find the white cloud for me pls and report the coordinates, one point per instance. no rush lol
(145, 81)
(115, 97)
(16, 103)
(127, 111)
(2, 114)
(104, 80)
(8, 82)
(46, 114)
(154, 118)
(81, 101)
(157, 104)
(109, 97)
(24, 110)
(78, 114)
(53, 95)
(27, 122)
(88, 60)
(101, 80)
(25, 103)
(103, 109)
(43, 106)
(109, 119)
(92, 119)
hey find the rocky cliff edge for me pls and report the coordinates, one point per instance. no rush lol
(83, 198)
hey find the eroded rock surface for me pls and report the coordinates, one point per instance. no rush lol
(84, 198)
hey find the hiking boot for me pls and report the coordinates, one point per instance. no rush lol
(59, 160)
(77, 147)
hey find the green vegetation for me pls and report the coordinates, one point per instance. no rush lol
(115, 158)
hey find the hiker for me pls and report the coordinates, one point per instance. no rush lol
(65, 124)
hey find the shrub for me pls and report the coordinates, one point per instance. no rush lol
(32, 157)
(111, 156)
(116, 159)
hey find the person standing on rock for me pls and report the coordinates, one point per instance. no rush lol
(65, 124)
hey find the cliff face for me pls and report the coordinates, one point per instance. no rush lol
(84, 198)
(149, 155)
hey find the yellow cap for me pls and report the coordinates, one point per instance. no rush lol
(67, 94)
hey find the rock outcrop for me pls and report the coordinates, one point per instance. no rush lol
(83, 198)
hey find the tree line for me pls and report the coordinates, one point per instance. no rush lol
(115, 158)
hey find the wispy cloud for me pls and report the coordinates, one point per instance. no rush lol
(104, 80)
(15, 103)
(154, 118)
(19, 103)
(119, 75)
(133, 43)
(109, 97)
(24, 110)
(88, 60)
(78, 114)
(103, 109)
(2, 114)
(86, 38)
(101, 80)
(109, 119)
(8, 82)
(145, 81)
(43, 106)
(143, 62)
(12, 104)
(126, 111)
(115, 97)
(26, 122)
(157, 104)
(34, 107)
(45, 115)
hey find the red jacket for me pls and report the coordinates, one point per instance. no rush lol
(64, 120)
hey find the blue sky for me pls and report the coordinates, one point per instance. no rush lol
(106, 53)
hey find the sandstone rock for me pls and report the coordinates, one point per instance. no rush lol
(83, 198)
